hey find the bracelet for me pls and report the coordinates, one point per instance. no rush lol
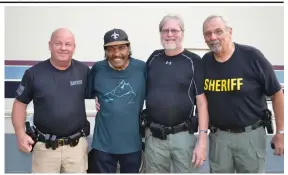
(202, 130)
(280, 132)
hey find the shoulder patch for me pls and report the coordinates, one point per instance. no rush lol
(20, 90)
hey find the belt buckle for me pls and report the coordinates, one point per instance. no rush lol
(61, 142)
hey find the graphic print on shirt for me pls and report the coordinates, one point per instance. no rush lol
(123, 90)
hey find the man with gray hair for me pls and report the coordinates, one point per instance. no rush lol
(237, 80)
(174, 80)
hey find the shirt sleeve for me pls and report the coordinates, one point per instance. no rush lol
(24, 92)
(147, 70)
(88, 86)
(149, 60)
(90, 90)
(199, 77)
(265, 74)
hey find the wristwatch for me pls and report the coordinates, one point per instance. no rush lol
(280, 132)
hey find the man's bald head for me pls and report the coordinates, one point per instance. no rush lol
(62, 45)
(62, 32)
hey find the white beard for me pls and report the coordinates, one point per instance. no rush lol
(216, 49)
(170, 46)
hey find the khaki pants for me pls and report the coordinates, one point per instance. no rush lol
(237, 152)
(175, 153)
(65, 159)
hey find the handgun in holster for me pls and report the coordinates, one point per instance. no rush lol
(143, 116)
(86, 130)
(31, 132)
(158, 131)
(74, 139)
(267, 121)
(193, 124)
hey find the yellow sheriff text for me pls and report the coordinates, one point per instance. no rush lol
(233, 84)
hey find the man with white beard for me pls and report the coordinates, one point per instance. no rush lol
(175, 79)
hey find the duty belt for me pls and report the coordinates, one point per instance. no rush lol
(178, 128)
(258, 124)
(60, 141)
(162, 131)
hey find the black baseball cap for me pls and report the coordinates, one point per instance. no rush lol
(115, 37)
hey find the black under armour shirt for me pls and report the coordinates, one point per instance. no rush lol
(172, 85)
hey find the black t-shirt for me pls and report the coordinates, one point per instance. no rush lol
(172, 85)
(58, 97)
(236, 89)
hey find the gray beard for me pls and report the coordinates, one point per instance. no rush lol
(216, 49)
(169, 46)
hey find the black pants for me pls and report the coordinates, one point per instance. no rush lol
(101, 162)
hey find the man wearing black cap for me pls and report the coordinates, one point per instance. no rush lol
(119, 84)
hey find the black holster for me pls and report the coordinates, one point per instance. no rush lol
(143, 118)
(86, 129)
(267, 121)
(158, 131)
(193, 124)
(74, 139)
(53, 142)
(32, 132)
(47, 141)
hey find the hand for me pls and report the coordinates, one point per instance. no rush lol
(278, 140)
(97, 104)
(24, 142)
(199, 155)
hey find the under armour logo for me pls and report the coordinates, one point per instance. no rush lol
(169, 62)
(115, 35)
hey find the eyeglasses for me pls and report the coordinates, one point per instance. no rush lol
(173, 31)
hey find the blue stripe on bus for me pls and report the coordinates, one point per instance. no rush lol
(280, 75)
(15, 72)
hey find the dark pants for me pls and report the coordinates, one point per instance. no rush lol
(101, 162)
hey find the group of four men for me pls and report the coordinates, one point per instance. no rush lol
(229, 85)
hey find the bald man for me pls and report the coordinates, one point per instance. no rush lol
(57, 87)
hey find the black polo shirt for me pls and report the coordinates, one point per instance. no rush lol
(58, 96)
(236, 89)
(172, 85)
